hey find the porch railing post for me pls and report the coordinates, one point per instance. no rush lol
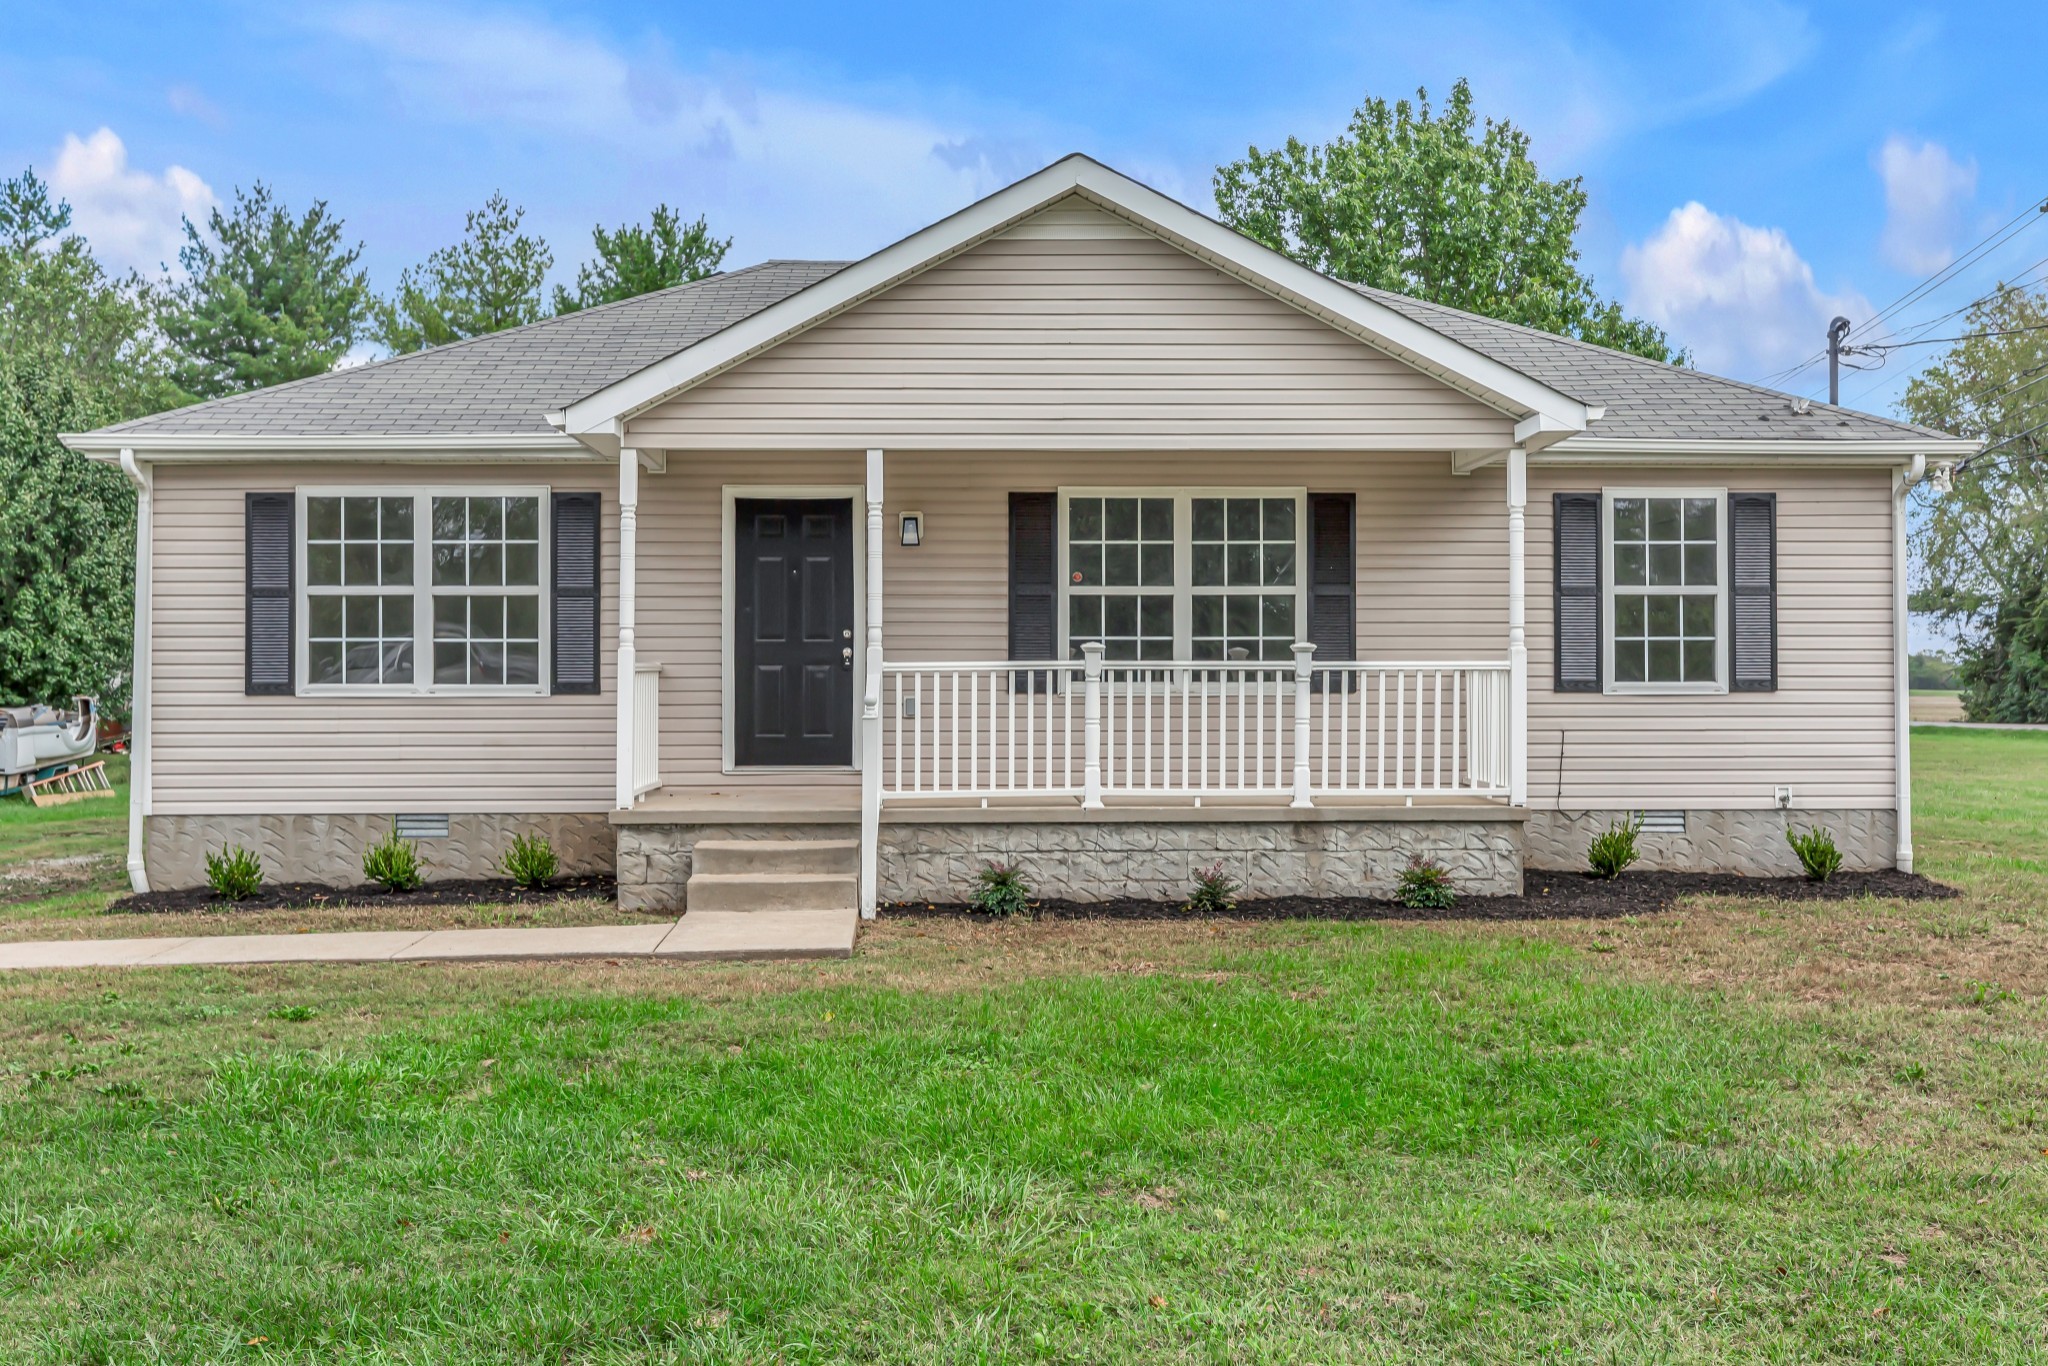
(1518, 641)
(1091, 726)
(1304, 665)
(871, 701)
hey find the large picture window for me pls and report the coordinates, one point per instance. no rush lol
(1201, 575)
(1666, 596)
(423, 590)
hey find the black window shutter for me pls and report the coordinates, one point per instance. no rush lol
(575, 584)
(1753, 591)
(1576, 569)
(1034, 596)
(268, 618)
(1333, 577)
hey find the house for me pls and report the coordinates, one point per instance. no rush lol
(1074, 530)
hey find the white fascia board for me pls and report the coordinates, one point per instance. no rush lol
(1882, 451)
(431, 448)
(1480, 376)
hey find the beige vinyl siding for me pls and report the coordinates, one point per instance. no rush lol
(217, 751)
(1827, 731)
(1432, 562)
(1072, 332)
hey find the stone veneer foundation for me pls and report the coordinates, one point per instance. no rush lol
(330, 848)
(1114, 854)
(1747, 842)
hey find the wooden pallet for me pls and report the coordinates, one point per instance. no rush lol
(72, 785)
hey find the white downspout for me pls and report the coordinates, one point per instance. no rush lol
(140, 732)
(1518, 627)
(629, 538)
(1902, 484)
(871, 701)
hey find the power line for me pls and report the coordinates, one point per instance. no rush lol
(1998, 237)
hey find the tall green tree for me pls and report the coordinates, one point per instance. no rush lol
(268, 296)
(637, 259)
(489, 281)
(77, 350)
(1433, 204)
(1982, 547)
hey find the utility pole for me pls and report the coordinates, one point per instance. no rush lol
(1837, 330)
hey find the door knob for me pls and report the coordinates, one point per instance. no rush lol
(846, 657)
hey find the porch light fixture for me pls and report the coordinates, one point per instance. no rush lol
(910, 529)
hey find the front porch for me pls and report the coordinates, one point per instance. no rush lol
(1115, 772)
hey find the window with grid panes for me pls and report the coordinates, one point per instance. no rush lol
(1666, 590)
(486, 589)
(1244, 599)
(1120, 563)
(359, 590)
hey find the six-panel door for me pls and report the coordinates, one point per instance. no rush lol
(793, 632)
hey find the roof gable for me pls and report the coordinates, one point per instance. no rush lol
(1544, 414)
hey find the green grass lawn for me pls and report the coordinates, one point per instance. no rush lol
(1737, 1131)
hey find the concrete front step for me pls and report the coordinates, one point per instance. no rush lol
(718, 857)
(772, 891)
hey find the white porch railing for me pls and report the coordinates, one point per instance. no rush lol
(646, 728)
(1186, 729)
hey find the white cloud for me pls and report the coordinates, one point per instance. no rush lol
(131, 218)
(1925, 193)
(191, 102)
(1740, 297)
(767, 161)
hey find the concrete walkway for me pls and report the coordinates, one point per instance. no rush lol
(701, 934)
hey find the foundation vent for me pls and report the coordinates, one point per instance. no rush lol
(1663, 822)
(414, 826)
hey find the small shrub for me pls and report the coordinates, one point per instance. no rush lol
(1426, 886)
(1000, 890)
(1614, 848)
(1817, 853)
(393, 863)
(234, 873)
(529, 862)
(1215, 891)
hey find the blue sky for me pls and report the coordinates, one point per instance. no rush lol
(1753, 167)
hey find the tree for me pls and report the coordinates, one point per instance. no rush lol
(489, 281)
(1408, 200)
(636, 260)
(77, 351)
(268, 297)
(1983, 546)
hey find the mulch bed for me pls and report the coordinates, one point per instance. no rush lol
(297, 896)
(1548, 896)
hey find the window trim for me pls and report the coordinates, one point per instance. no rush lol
(1183, 557)
(1609, 589)
(422, 590)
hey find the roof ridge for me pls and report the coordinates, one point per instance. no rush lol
(447, 347)
(1610, 353)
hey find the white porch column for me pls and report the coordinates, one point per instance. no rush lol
(141, 730)
(1518, 633)
(871, 702)
(629, 536)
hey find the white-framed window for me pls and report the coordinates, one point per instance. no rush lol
(1201, 574)
(423, 590)
(1665, 564)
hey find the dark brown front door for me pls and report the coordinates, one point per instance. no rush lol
(793, 628)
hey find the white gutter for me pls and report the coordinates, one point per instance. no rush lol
(139, 728)
(1902, 484)
(425, 448)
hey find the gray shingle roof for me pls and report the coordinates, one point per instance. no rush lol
(501, 384)
(1644, 398)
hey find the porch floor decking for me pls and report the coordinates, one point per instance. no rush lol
(841, 806)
